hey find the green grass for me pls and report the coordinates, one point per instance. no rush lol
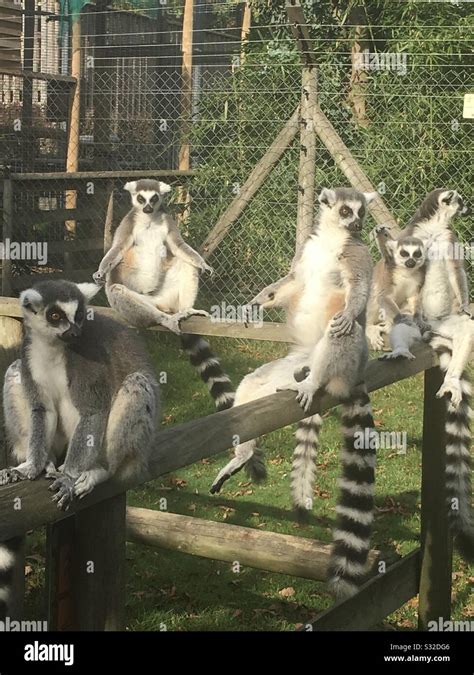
(175, 591)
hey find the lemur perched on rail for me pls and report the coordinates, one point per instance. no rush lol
(151, 277)
(325, 297)
(444, 302)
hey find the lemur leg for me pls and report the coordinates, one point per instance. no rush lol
(458, 332)
(402, 337)
(131, 428)
(140, 310)
(18, 427)
(262, 382)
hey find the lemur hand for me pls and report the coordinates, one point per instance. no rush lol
(207, 269)
(341, 324)
(99, 278)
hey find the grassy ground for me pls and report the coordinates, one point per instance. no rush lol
(174, 591)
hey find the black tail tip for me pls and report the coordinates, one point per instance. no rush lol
(465, 545)
(302, 515)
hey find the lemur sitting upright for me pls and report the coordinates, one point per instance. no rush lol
(445, 305)
(82, 403)
(151, 277)
(325, 297)
(396, 287)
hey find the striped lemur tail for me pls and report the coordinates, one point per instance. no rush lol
(458, 459)
(355, 507)
(8, 550)
(209, 368)
(304, 464)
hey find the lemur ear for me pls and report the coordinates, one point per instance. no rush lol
(370, 196)
(131, 186)
(447, 196)
(88, 290)
(164, 187)
(327, 197)
(31, 301)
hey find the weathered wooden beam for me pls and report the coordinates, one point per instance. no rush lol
(282, 553)
(190, 442)
(96, 175)
(253, 183)
(376, 599)
(436, 539)
(307, 163)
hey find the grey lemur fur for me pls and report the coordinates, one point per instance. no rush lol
(325, 297)
(445, 305)
(151, 277)
(396, 287)
(82, 403)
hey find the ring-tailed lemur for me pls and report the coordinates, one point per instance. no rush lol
(398, 279)
(325, 296)
(83, 395)
(151, 277)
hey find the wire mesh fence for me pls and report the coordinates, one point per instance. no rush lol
(393, 93)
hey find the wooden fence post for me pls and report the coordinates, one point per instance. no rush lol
(99, 566)
(307, 168)
(436, 539)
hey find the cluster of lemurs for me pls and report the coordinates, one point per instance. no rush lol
(82, 403)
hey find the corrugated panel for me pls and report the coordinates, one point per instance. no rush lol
(10, 35)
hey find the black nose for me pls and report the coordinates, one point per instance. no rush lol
(147, 209)
(72, 333)
(355, 225)
(410, 263)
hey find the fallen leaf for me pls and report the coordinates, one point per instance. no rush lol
(287, 592)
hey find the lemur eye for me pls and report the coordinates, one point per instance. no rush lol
(55, 316)
(404, 253)
(345, 211)
(154, 199)
(417, 254)
(140, 199)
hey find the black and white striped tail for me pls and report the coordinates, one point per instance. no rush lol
(355, 508)
(304, 464)
(209, 368)
(458, 457)
(8, 551)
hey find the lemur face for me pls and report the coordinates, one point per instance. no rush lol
(57, 309)
(147, 195)
(452, 204)
(407, 252)
(345, 208)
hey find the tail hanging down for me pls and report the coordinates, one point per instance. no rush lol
(304, 464)
(8, 551)
(458, 458)
(209, 368)
(355, 508)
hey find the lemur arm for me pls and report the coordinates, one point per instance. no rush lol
(356, 267)
(182, 250)
(121, 242)
(459, 284)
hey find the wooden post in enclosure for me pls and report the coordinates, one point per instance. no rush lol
(184, 159)
(436, 539)
(72, 157)
(29, 148)
(245, 30)
(7, 231)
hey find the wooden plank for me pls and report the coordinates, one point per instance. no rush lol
(97, 175)
(307, 162)
(58, 215)
(253, 183)
(282, 553)
(299, 29)
(187, 443)
(27, 280)
(30, 75)
(99, 559)
(376, 599)
(436, 539)
(59, 575)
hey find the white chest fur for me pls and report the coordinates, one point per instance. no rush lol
(149, 243)
(437, 296)
(407, 284)
(47, 364)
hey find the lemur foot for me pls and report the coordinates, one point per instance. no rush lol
(375, 335)
(173, 322)
(451, 387)
(84, 484)
(305, 391)
(63, 486)
(399, 353)
(207, 269)
(99, 278)
(24, 471)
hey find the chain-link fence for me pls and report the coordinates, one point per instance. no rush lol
(393, 92)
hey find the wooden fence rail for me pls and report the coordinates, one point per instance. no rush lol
(27, 505)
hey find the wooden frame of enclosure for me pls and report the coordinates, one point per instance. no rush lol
(96, 528)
